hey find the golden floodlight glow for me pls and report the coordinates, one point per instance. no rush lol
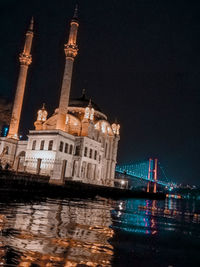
(92, 114)
(67, 119)
(115, 128)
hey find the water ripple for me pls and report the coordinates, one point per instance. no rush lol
(98, 232)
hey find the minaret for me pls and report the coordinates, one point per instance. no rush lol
(25, 60)
(70, 52)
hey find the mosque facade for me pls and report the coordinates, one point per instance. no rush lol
(76, 142)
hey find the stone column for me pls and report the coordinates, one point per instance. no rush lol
(38, 166)
(64, 165)
(114, 155)
(17, 164)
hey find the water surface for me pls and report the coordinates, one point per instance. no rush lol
(98, 232)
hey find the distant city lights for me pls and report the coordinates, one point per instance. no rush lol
(4, 131)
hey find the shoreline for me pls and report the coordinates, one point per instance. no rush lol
(39, 185)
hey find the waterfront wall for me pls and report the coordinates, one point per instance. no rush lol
(40, 185)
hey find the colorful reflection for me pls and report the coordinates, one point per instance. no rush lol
(134, 220)
(60, 233)
(149, 217)
(100, 232)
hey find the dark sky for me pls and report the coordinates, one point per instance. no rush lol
(139, 61)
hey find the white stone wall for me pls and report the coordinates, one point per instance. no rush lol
(47, 156)
(89, 167)
(51, 159)
(97, 166)
(64, 155)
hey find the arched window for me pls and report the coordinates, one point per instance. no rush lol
(21, 154)
(70, 149)
(95, 154)
(85, 151)
(106, 149)
(77, 151)
(61, 146)
(6, 150)
(42, 145)
(66, 148)
(34, 145)
(90, 153)
(50, 147)
(83, 167)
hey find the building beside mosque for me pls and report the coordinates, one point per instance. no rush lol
(76, 142)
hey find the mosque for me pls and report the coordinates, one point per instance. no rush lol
(75, 143)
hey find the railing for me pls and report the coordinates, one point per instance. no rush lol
(36, 166)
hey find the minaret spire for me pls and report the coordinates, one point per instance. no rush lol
(25, 60)
(76, 12)
(83, 93)
(31, 24)
(71, 50)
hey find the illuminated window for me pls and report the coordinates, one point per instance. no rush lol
(66, 148)
(90, 153)
(50, 147)
(42, 114)
(85, 152)
(95, 154)
(34, 145)
(92, 114)
(87, 113)
(42, 145)
(70, 149)
(103, 127)
(118, 128)
(39, 118)
(114, 128)
(61, 147)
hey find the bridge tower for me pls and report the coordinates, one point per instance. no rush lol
(152, 174)
(155, 175)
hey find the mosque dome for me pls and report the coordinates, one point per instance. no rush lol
(83, 102)
(77, 109)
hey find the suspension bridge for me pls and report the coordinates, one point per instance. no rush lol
(150, 171)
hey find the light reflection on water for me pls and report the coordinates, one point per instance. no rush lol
(100, 232)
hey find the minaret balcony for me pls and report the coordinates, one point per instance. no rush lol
(71, 50)
(25, 59)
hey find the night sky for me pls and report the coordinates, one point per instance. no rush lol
(138, 60)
